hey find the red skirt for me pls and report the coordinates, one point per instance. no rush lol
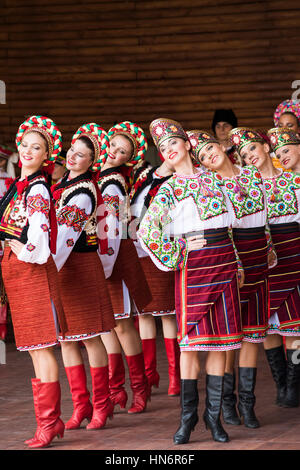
(30, 287)
(207, 298)
(84, 295)
(128, 268)
(162, 287)
(251, 245)
(284, 279)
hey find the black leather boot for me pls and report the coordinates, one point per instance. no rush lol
(189, 400)
(211, 416)
(278, 365)
(291, 399)
(229, 412)
(246, 386)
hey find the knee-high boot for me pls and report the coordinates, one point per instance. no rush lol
(229, 412)
(173, 355)
(138, 382)
(291, 399)
(149, 351)
(278, 365)
(80, 396)
(211, 416)
(102, 406)
(34, 383)
(48, 405)
(246, 387)
(118, 394)
(189, 400)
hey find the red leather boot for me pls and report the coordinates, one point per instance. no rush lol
(49, 423)
(118, 395)
(34, 383)
(149, 351)
(102, 406)
(80, 396)
(173, 355)
(138, 382)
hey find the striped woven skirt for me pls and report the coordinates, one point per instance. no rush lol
(207, 297)
(162, 288)
(284, 281)
(128, 270)
(85, 298)
(251, 245)
(32, 291)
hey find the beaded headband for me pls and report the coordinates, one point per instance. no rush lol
(198, 140)
(280, 136)
(241, 136)
(162, 129)
(99, 139)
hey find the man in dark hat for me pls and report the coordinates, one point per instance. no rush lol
(223, 121)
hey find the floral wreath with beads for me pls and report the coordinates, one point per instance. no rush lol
(137, 137)
(99, 139)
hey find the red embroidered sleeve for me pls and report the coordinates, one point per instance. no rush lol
(37, 203)
(72, 216)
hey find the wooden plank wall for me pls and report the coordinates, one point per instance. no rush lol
(111, 60)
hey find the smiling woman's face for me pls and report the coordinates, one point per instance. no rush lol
(289, 156)
(79, 158)
(212, 156)
(120, 150)
(175, 150)
(255, 153)
(33, 151)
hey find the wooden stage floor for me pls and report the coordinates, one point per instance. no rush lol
(151, 430)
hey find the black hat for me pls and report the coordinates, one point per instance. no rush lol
(224, 115)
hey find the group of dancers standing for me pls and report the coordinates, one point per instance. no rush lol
(210, 246)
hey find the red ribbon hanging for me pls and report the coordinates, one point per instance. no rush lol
(101, 218)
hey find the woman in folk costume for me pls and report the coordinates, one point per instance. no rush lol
(283, 200)
(82, 286)
(147, 182)
(187, 208)
(126, 281)
(28, 226)
(286, 145)
(5, 181)
(245, 194)
(287, 115)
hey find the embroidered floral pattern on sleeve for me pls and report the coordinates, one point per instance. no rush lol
(37, 203)
(44, 227)
(73, 217)
(202, 195)
(30, 247)
(170, 254)
(245, 192)
(281, 195)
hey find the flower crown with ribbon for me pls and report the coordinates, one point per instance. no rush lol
(48, 129)
(99, 139)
